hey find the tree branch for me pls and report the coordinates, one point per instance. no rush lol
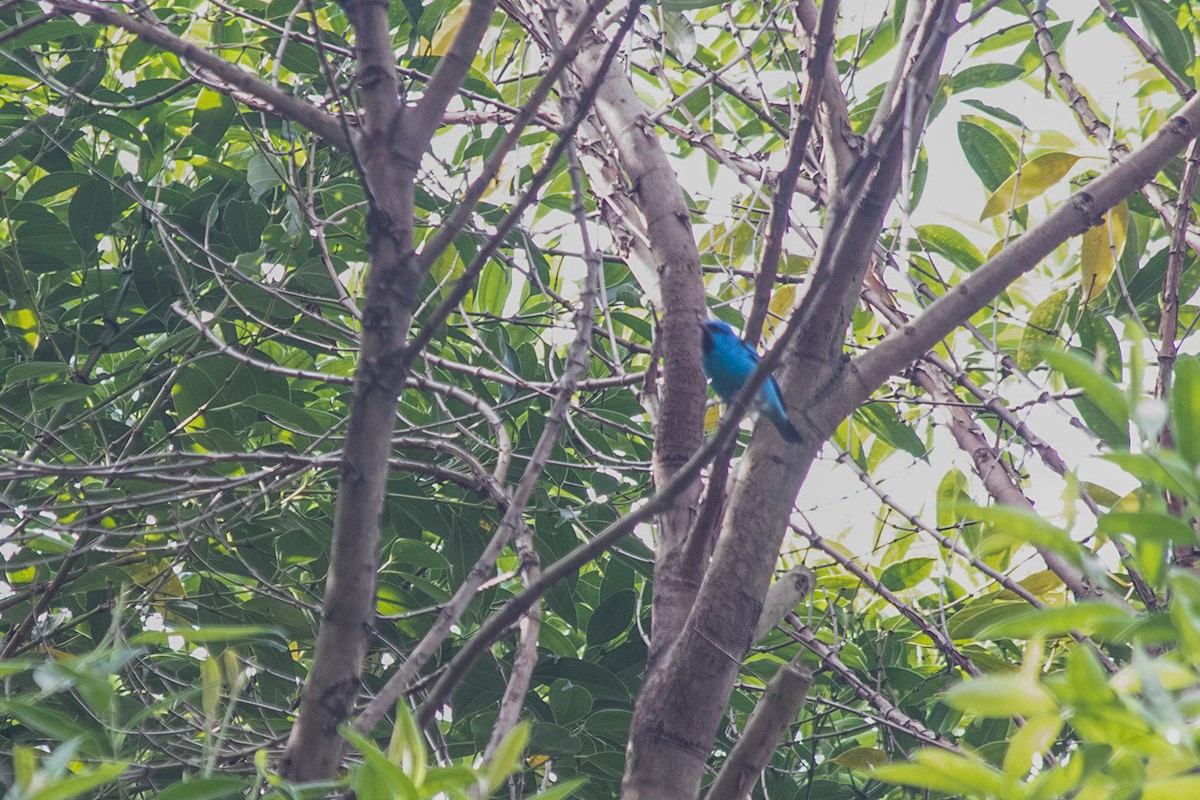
(680, 421)
(785, 188)
(276, 100)
(1083, 209)
(389, 167)
(775, 710)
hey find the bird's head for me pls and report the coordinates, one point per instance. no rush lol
(711, 330)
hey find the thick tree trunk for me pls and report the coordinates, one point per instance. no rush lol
(389, 154)
(681, 703)
(680, 424)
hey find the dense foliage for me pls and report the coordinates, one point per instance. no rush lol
(182, 268)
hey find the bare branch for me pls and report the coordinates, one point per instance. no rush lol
(1168, 329)
(889, 714)
(994, 473)
(784, 697)
(1148, 52)
(1083, 209)
(785, 188)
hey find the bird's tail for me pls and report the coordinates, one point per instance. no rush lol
(785, 427)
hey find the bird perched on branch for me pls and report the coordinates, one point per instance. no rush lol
(728, 363)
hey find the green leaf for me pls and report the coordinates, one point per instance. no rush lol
(1097, 387)
(1172, 788)
(407, 745)
(611, 618)
(53, 184)
(941, 771)
(287, 413)
(918, 777)
(906, 574)
(245, 223)
(1086, 617)
(1149, 525)
(1098, 341)
(448, 780)
(208, 633)
(686, 5)
(598, 680)
(494, 287)
(1185, 408)
(950, 243)
(860, 758)
(1041, 332)
(263, 174)
(563, 790)
(882, 420)
(569, 703)
(80, 783)
(205, 789)
(998, 113)
(1001, 697)
(1101, 424)
(91, 212)
(24, 764)
(412, 555)
(1034, 178)
(506, 757)
(1158, 470)
(1031, 57)
(986, 151)
(52, 395)
(54, 724)
(680, 35)
(1011, 526)
(34, 371)
(377, 778)
(1028, 744)
(983, 75)
(210, 686)
(212, 116)
(1176, 48)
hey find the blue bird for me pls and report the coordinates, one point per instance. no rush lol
(728, 363)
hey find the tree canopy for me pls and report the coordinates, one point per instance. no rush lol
(354, 436)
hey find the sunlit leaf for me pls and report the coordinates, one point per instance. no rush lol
(1028, 744)
(906, 574)
(1033, 179)
(1000, 696)
(1100, 243)
(1041, 332)
(448, 29)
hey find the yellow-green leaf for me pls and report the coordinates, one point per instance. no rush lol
(210, 686)
(1041, 332)
(506, 757)
(781, 303)
(1031, 180)
(158, 576)
(1000, 697)
(446, 32)
(861, 758)
(1029, 743)
(712, 418)
(1172, 788)
(24, 322)
(1100, 243)
(1185, 409)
